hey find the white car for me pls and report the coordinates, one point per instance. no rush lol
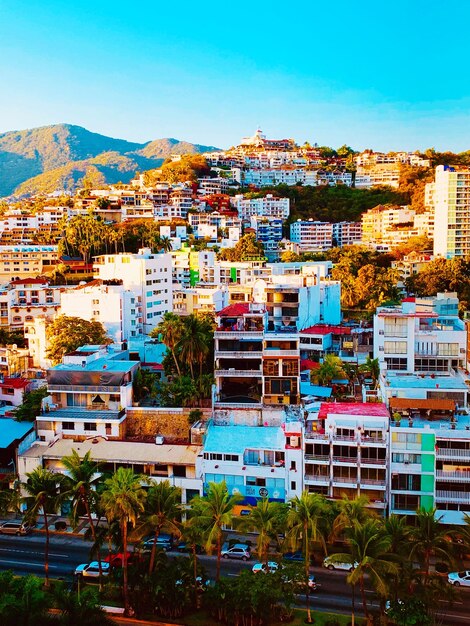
(459, 578)
(237, 551)
(271, 567)
(331, 564)
(92, 570)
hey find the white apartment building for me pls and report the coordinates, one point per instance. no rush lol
(311, 235)
(199, 299)
(422, 335)
(346, 452)
(26, 261)
(89, 392)
(117, 308)
(347, 233)
(284, 175)
(269, 206)
(26, 299)
(147, 275)
(451, 197)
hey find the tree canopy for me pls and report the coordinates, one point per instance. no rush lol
(66, 334)
(247, 249)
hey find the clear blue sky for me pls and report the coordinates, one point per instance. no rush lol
(384, 75)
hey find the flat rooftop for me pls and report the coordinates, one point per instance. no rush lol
(414, 381)
(11, 430)
(110, 365)
(119, 451)
(366, 409)
(237, 439)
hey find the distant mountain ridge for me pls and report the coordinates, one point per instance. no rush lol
(57, 157)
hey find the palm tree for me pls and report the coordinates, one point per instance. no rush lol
(265, 519)
(44, 496)
(370, 555)
(305, 522)
(162, 513)
(80, 486)
(211, 513)
(171, 330)
(372, 367)
(194, 343)
(331, 368)
(429, 538)
(352, 511)
(123, 500)
(193, 535)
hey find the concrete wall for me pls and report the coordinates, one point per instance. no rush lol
(170, 423)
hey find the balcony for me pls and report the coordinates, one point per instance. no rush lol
(345, 480)
(312, 479)
(365, 461)
(351, 460)
(234, 354)
(365, 441)
(238, 373)
(86, 388)
(453, 453)
(80, 413)
(317, 458)
(220, 333)
(279, 352)
(463, 477)
(455, 497)
(348, 438)
(375, 483)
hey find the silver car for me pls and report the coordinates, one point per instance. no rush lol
(459, 578)
(14, 528)
(92, 570)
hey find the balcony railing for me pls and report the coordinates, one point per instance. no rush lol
(312, 435)
(224, 354)
(87, 388)
(453, 496)
(234, 372)
(280, 352)
(452, 453)
(346, 480)
(317, 457)
(453, 476)
(365, 461)
(319, 480)
(345, 459)
(379, 482)
(344, 438)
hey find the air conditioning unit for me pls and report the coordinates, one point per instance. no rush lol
(159, 440)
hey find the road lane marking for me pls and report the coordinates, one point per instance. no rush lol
(29, 564)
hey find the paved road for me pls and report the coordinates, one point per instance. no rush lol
(25, 555)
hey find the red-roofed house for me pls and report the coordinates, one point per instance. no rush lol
(12, 390)
(346, 452)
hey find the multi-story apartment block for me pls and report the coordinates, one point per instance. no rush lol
(255, 365)
(346, 452)
(267, 230)
(30, 297)
(311, 235)
(108, 302)
(347, 233)
(179, 464)
(21, 228)
(422, 335)
(199, 299)
(89, 391)
(269, 206)
(147, 275)
(452, 212)
(380, 220)
(26, 261)
(284, 175)
(255, 462)
(410, 265)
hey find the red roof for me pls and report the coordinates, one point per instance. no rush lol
(233, 310)
(31, 281)
(307, 364)
(326, 329)
(16, 383)
(367, 409)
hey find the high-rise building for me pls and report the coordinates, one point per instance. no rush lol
(451, 198)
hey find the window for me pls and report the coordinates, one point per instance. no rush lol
(397, 364)
(293, 485)
(406, 482)
(400, 457)
(395, 327)
(91, 426)
(231, 457)
(395, 347)
(213, 456)
(254, 480)
(109, 429)
(68, 426)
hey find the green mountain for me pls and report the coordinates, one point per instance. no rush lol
(57, 157)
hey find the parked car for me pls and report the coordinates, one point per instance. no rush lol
(271, 567)
(237, 551)
(459, 578)
(92, 570)
(296, 557)
(331, 564)
(15, 528)
(164, 542)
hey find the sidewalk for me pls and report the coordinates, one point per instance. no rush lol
(64, 525)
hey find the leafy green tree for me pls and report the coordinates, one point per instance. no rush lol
(30, 408)
(84, 608)
(23, 601)
(123, 500)
(211, 513)
(44, 495)
(329, 370)
(351, 512)
(144, 384)
(194, 344)
(306, 524)
(247, 248)
(372, 368)
(65, 334)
